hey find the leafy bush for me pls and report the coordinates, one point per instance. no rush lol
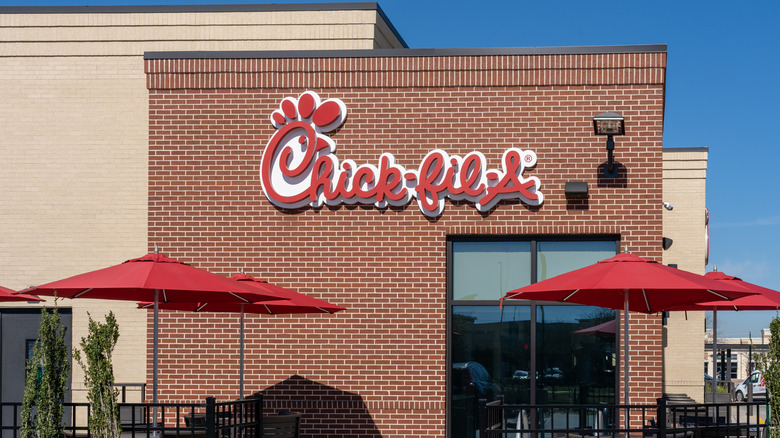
(45, 385)
(97, 348)
(769, 364)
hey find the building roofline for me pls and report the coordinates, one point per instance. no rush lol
(687, 149)
(123, 9)
(708, 346)
(391, 26)
(160, 9)
(384, 53)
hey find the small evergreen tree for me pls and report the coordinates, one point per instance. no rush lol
(47, 376)
(97, 348)
(770, 367)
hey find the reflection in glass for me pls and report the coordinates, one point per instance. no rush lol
(555, 258)
(488, 270)
(575, 355)
(492, 350)
(490, 357)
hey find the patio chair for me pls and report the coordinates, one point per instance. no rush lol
(522, 424)
(281, 426)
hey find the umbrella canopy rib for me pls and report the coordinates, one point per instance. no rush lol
(612, 282)
(288, 302)
(152, 277)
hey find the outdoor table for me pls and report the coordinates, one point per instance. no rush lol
(197, 420)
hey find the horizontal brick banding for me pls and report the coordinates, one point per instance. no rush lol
(380, 366)
(401, 72)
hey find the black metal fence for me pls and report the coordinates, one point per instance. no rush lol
(662, 420)
(212, 419)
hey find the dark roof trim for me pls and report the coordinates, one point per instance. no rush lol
(123, 9)
(390, 25)
(687, 149)
(382, 53)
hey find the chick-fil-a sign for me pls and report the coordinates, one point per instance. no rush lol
(299, 168)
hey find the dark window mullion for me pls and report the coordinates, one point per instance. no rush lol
(534, 254)
(534, 279)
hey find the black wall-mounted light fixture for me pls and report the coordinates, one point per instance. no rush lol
(576, 189)
(666, 243)
(609, 124)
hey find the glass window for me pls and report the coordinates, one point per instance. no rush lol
(493, 350)
(29, 351)
(575, 355)
(555, 258)
(488, 270)
(29, 348)
(491, 356)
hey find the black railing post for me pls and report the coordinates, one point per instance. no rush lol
(482, 417)
(661, 418)
(258, 415)
(211, 417)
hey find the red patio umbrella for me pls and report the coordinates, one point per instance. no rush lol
(764, 299)
(604, 330)
(628, 282)
(12, 295)
(290, 303)
(155, 278)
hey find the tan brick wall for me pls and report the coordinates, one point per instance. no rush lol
(383, 360)
(685, 173)
(74, 140)
(131, 34)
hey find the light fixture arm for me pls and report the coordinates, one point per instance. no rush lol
(610, 171)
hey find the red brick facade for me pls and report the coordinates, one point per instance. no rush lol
(379, 368)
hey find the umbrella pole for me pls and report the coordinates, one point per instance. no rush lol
(154, 365)
(714, 354)
(241, 366)
(625, 356)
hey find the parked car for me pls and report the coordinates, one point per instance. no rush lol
(521, 375)
(553, 373)
(756, 379)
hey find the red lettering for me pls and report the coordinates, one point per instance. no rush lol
(341, 185)
(321, 182)
(298, 167)
(429, 182)
(470, 175)
(279, 151)
(510, 181)
(390, 180)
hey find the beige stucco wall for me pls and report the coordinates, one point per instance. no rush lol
(685, 172)
(74, 124)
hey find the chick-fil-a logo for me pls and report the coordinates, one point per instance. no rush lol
(299, 168)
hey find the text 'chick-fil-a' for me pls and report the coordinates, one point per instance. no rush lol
(299, 168)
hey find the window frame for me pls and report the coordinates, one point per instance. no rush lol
(533, 240)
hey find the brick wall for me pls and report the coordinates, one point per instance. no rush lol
(74, 132)
(378, 369)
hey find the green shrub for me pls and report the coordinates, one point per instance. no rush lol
(769, 363)
(45, 385)
(97, 348)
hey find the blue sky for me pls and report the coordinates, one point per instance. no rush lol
(723, 92)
